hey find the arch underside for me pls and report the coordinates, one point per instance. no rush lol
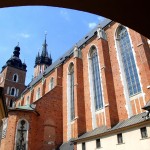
(129, 13)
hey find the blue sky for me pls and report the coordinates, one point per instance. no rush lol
(27, 25)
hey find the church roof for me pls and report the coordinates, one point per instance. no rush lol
(25, 107)
(59, 61)
(21, 108)
(125, 123)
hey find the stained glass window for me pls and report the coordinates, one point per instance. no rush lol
(128, 61)
(96, 79)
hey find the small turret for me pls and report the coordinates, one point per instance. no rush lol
(42, 61)
(15, 61)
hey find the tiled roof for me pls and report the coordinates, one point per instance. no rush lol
(68, 53)
(94, 132)
(67, 146)
(25, 108)
(131, 121)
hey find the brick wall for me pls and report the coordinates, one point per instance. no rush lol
(8, 75)
(45, 131)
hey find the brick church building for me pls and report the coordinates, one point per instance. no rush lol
(96, 96)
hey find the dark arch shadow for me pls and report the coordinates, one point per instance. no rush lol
(134, 14)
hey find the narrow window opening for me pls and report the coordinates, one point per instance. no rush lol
(71, 80)
(83, 146)
(96, 81)
(119, 138)
(11, 103)
(51, 83)
(98, 144)
(38, 94)
(143, 132)
(27, 101)
(15, 78)
(12, 92)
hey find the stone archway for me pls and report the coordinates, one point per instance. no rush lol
(130, 13)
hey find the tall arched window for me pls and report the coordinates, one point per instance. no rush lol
(13, 91)
(8, 88)
(15, 78)
(71, 90)
(95, 76)
(38, 95)
(22, 135)
(51, 86)
(19, 104)
(128, 61)
(28, 100)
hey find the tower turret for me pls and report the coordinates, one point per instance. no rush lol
(42, 61)
(14, 73)
(15, 61)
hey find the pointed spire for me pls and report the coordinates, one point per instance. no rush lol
(38, 54)
(44, 49)
(45, 35)
(44, 58)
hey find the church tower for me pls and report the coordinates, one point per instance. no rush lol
(12, 77)
(42, 61)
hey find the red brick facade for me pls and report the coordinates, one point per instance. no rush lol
(8, 83)
(53, 127)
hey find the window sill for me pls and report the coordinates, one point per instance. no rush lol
(145, 138)
(99, 110)
(72, 121)
(120, 143)
(136, 96)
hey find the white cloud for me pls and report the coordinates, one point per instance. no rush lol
(24, 35)
(91, 25)
(64, 14)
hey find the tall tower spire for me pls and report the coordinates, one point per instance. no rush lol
(44, 49)
(42, 61)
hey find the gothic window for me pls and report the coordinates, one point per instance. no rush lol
(51, 86)
(71, 90)
(8, 88)
(128, 61)
(19, 104)
(28, 100)
(13, 91)
(96, 81)
(17, 92)
(22, 135)
(6, 100)
(15, 78)
(38, 94)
